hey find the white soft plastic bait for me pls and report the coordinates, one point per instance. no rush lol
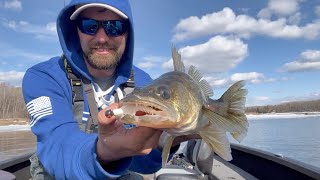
(118, 113)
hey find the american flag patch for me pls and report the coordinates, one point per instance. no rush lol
(39, 108)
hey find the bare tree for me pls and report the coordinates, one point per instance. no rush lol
(297, 106)
(11, 102)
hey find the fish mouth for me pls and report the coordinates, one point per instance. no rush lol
(145, 109)
(147, 113)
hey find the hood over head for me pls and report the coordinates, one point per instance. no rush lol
(70, 43)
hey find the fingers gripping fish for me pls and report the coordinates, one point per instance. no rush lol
(178, 103)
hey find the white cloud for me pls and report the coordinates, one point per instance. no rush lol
(280, 8)
(249, 77)
(305, 97)
(219, 54)
(214, 23)
(299, 66)
(309, 61)
(146, 65)
(311, 56)
(227, 22)
(265, 13)
(258, 101)
(264, 100)
(47, 31)
(13, 78)
(15, 5)
(217, 83)
(149, 62)
(252, 77)
(295, 18)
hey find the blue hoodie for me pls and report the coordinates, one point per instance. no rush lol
(63, 149)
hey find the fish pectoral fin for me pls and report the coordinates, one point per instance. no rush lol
(237, 125)
(167, 143)
(216, 138)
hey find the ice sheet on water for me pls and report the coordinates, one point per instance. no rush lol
(282, 115)
(14, 128)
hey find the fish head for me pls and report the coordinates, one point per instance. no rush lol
(168, 102)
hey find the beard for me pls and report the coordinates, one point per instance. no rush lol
(104, 61)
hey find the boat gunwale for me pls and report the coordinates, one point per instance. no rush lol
(304, 168)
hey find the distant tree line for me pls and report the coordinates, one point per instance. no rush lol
(296, 106)
(11, 102)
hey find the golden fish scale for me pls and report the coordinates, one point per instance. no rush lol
(186, 100)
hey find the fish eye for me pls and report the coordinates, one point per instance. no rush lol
(163, 91)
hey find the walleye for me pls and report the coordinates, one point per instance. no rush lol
(178, 103)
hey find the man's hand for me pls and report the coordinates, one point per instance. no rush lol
(116, 142)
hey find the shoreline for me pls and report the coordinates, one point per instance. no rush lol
(14, 124)
(11, 128)
(23, 124)
(14, 121)
(283, 115)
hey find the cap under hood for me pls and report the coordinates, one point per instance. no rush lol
(70, 44)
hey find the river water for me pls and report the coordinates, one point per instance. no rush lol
(15, 143)
(297, 138)
(294, 137)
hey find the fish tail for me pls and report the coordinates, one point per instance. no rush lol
(235, 97)
(228, 112)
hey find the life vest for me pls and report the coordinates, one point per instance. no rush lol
(77, 84)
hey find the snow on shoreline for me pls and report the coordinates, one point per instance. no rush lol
(10, 128)
(283, 115)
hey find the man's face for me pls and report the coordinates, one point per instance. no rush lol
(100, 50)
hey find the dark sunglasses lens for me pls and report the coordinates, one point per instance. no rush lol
(88, 26)
(115, 28)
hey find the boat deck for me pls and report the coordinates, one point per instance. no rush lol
(221, 169)
(247, 163)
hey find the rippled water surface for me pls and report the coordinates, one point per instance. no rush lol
(16, 143)
(297, 138)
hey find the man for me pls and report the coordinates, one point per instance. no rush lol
(97, 44)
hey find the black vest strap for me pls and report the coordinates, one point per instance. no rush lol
(75, 82)
(77, 94)
(130, 83)
(93, 122)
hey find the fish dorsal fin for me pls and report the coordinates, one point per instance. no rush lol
(177, 62)
(203, 84)
(193, 72)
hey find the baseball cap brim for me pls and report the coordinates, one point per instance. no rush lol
(85, 6)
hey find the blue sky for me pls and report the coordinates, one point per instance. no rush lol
(272, 44)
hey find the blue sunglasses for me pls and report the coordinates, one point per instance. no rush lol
(113, 28)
